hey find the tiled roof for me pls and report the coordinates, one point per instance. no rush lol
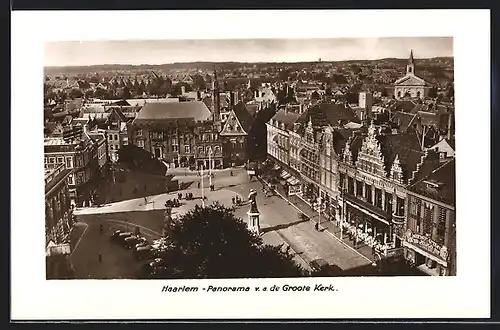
(451, 142)
(286, 117)
(404, 119)
(439, 184)
(182, 110)
(403, 105)
(332, 114)
(406, 146)
(244, 117)
(429, 164)
(121, 103)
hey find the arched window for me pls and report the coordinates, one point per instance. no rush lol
(418, 94)
(399, 93)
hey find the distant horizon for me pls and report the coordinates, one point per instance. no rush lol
(242, 62)
(162, 52)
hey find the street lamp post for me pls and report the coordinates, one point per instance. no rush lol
(342, 216)
(202, 190)
(210, 166)
(319, 211)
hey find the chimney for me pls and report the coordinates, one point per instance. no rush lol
(232, 99)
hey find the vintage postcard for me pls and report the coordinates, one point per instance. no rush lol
(214, 170)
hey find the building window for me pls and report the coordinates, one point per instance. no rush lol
(116, 137)
(200, 150)
(45, 160)
(139, 132)
(110, 137)
(71, 179)
(187, 149)
(52, 160)
(69, 162)
(140, 144)
(60, 160)
(175, 148)
(217, 149)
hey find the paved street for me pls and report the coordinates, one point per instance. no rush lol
(277, 215)
(280, 225)
(117, 261)
(157, 202)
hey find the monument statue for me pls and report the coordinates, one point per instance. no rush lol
(253, 213)
(252, 198)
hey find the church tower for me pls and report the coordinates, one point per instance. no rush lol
(215, 97)
(410, 67)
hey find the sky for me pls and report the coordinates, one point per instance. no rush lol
(135, 52)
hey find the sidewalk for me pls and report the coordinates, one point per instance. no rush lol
(327, 226)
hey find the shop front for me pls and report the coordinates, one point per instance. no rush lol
(425, 254)
(364, 226)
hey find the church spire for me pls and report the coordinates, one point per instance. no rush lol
(410, 67)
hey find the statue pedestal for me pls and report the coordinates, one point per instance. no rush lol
(253, 222)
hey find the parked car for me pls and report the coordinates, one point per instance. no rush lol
(142, 243)
(120, 238)
(143, 252)
(132, 240)
(115, 235)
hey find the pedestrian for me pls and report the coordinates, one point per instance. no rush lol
(145, 200)
(316, 226)
(100, 257)
(101, 229)
(179, 195)
(198, 185)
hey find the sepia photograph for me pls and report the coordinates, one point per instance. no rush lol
(243, 164)
(302, 168)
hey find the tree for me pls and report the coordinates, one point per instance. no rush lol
(199, 82)
(210, 242)
(75, 93)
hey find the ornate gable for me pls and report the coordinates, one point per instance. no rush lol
(370, 158)
(347, 156)
(232, 126)
(397, 171)
(410, 80)
(328, 141)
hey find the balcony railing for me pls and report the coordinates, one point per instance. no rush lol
(398, 217)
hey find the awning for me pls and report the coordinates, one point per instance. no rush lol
(373, 215)
(290, 179)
